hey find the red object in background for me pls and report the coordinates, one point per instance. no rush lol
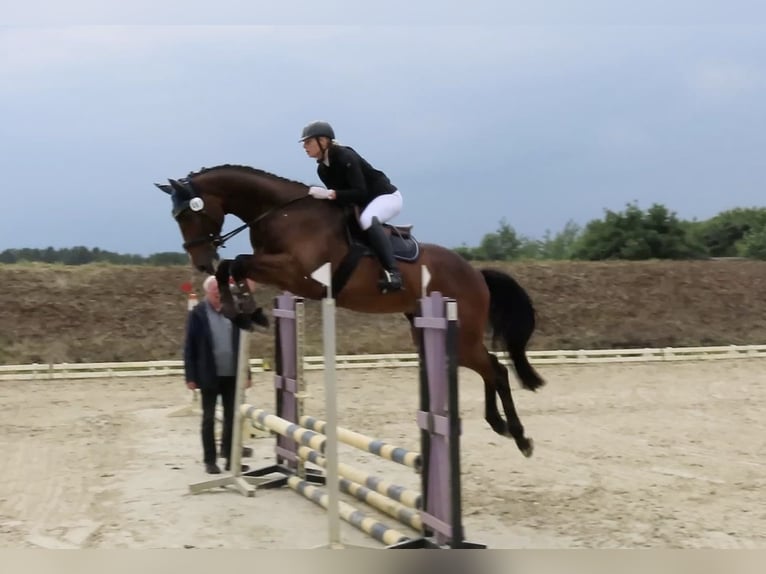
(186, 287)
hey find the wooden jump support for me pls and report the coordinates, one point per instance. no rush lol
(436, 511)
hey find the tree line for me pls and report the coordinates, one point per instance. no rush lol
(631, 234)
(83, 255)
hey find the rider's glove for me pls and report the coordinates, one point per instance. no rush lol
(319, 192)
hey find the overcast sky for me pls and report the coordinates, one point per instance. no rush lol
(546, 115)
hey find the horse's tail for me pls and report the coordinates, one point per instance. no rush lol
(512, 318)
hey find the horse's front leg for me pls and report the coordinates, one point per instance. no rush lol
(247, 304)
(228, 306)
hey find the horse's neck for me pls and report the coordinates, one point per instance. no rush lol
(250, 196)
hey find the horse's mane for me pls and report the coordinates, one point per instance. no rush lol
(246, 169)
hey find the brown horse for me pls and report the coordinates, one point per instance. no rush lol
(293, 234)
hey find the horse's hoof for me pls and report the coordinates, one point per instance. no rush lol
(245, 303)
(243, 322)
(259, 318)
(229, 311)
(529, 449)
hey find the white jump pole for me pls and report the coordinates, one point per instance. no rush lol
(243, 374)
(324, 276)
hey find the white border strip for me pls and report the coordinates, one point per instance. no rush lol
(377, 361)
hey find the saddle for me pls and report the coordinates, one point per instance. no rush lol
(405, 246)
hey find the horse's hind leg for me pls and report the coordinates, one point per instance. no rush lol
(495, 377)
(478, 360)
(515, 428)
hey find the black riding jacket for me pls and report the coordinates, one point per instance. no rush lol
(354, 180)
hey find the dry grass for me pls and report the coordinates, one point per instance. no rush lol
(115, 313)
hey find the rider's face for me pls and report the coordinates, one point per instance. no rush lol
(312, 148)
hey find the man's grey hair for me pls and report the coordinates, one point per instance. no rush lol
(208, 283)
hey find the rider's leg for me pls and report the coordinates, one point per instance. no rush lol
(381, 209)
(382, 246)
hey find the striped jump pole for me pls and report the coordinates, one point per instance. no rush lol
(405, 515)
(400, 494)
(362, 442)
(360, 520)
(350, 484)
(285, 428)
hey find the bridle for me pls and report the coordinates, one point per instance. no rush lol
(216, 239)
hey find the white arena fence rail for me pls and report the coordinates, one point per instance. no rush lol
(41, 371)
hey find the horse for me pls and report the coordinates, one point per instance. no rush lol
(292, 234)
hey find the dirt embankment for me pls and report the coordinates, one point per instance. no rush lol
(129, 313)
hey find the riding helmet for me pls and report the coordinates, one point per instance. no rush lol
(317, 129)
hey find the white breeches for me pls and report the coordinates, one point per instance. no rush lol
(384, 207)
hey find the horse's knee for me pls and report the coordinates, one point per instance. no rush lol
(239, 267)
(222, 271)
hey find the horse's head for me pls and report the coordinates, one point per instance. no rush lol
(200, 218)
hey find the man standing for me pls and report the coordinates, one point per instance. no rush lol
(210, 363)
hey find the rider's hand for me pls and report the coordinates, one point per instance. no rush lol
(321, 192)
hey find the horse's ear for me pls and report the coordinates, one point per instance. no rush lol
(179, 189)
(164, 187)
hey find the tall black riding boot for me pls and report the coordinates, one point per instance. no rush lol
(382, 246)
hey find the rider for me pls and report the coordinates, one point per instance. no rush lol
(351, 180)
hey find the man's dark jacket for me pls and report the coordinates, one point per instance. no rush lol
(199, 362)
